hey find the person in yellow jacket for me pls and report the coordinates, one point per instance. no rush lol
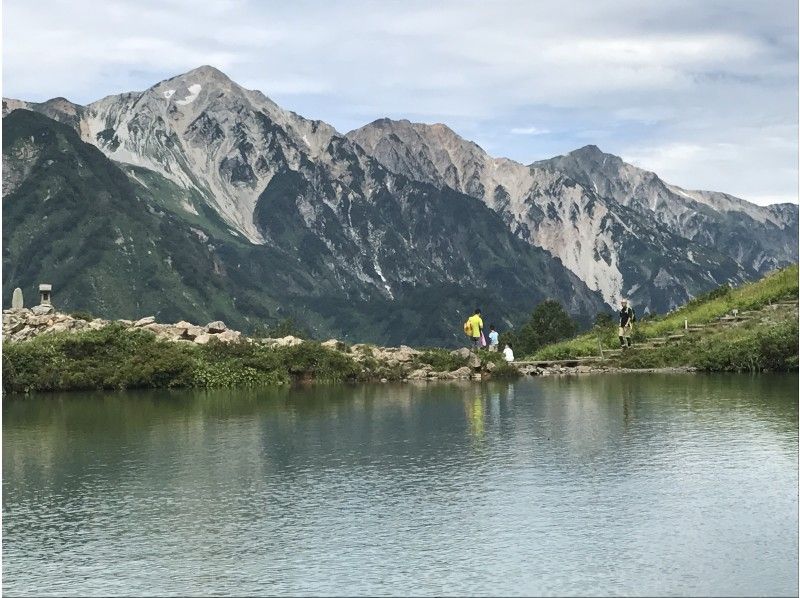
(476, 328)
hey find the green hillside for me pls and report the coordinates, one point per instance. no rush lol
(764, 336)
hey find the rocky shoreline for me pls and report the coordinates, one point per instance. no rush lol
(21, 325)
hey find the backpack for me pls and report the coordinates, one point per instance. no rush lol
(468, 328)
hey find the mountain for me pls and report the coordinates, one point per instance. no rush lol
(248, 212)
(615, 246)
(309, 226)
(758, 237)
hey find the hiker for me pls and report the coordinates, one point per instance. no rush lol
(474, 328)
(508, 353)
(626, 319)
(494, 339)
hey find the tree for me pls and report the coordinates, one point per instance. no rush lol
(549, 323)
(604, 320)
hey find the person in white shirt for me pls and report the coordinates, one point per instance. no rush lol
(508, 353)
(494, 339)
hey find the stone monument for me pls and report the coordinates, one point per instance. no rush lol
(44, 293)
(16, 299)
(45, 306)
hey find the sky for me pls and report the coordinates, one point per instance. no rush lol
(704, 93)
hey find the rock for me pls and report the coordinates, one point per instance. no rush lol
(126, 323)
(463, 352)
(405, 354)
(334, 345)
(421, 374)
(37, 321)
(97, 324)
(16, 327)
(202, 339)
(583, 369)
(229, 336)
(287, 341)
(144, 321)
(185, 325)
(474, 361)
(463, 372)
(191, 333)
(40, 310)
(26, 333)
(216, 327)
(57, 327)
(16, 299)
(490, 366)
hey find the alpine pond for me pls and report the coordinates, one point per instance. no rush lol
(620, 484)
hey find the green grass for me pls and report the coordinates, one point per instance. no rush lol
(749, 348)
(781, 284)
(117, 358)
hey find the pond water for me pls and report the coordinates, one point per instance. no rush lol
(613, 484)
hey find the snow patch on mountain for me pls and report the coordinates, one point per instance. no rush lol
(194, 91)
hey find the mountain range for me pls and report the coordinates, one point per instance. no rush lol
(198, 199)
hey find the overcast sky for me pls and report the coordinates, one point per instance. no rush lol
(702, 92)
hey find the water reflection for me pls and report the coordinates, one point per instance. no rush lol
(637, 484)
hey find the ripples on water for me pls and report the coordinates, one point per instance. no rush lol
(604, 484)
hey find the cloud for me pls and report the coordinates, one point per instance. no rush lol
(649, 80)
(529, 131)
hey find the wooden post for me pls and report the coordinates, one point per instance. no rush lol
(600, 346)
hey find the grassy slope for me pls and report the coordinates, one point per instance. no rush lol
(781, 284)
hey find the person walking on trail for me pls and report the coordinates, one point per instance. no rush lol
(474, 325)
(626, 319)
(494, 339)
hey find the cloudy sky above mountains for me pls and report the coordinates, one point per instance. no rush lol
(702, 92)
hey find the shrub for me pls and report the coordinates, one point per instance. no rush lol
(441, 360)
(82, 315)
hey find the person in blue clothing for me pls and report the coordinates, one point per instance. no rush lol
(494, 339)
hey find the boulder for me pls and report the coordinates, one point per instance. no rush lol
(144, 321)
(15, 327)
(474, 361)
(420, 374)
(184, 324)
(57, 327)
(490, 366)
(216, 327)
(40, 310)
(334, 345)
(287, 341)
(405, 354)
(463, 372)
(202, 339)
(191, 333)
(229, 336)
(463, 352)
